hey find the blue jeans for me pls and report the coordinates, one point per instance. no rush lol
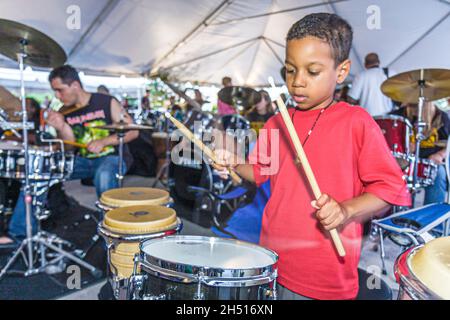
(103, 170)
(436, 192)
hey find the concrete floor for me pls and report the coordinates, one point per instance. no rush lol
(370, 259)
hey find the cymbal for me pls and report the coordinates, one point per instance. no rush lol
(404, 87)
(41, 50)
(9, 102)
(124, 127)
(241, 96)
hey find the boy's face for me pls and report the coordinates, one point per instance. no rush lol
(311, 74)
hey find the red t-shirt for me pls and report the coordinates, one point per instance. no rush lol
(348, 155)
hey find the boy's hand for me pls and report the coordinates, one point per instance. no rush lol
(329, 212)
(225, 161)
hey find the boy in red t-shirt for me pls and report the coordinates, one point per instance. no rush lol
(349, 157)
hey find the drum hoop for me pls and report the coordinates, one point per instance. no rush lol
(411, 283)
(207, 275)
(394, 117)
(126, 237)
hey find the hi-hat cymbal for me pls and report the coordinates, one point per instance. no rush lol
(405, 87)
(241, 96)
(124, 127)
(41, 50)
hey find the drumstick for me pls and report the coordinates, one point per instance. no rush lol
(305, 164)
(209, 153)
(75, 144)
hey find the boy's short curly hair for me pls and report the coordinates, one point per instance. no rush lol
(328, 27)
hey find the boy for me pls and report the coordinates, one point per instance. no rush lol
(348, 154)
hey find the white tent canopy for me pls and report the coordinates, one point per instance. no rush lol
(204, 40)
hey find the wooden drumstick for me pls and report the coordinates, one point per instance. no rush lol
(209, 153)
(75, 144)
(305, 164)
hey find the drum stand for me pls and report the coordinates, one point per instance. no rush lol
(419, 136)
(121, 135)
(42, 241)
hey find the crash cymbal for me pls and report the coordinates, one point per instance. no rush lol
(404, 87)
(238, 96)
(9, 103)
(41, 50)
(124, 127)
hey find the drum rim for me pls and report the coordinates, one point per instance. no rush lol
(127, 237)
(394, 117)
(409, 282)
(245, 276)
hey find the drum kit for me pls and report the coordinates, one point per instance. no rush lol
(37, 167)
(415, 86)
(422, 271)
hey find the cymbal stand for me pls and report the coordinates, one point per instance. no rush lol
(42, 240)
(420, 127)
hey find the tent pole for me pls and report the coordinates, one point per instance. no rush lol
(104, 13)
(203, 23)
(211, 53)
(276, 12)
(419, 39)
(273, 51)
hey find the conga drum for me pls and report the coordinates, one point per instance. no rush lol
(123, 229)
(124, 197)
(423, 272)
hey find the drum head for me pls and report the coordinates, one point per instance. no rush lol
(140, 219)
(431, 265)
(216, 253)
(123, 197)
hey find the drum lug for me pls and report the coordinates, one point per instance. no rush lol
(162, 296)
(200, 295)
(136, 286)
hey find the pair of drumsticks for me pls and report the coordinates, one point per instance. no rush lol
(298, 148)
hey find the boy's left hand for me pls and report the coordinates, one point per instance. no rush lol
(329, 212)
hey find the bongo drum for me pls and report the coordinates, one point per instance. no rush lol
(123, 197)
(423, 272)
(124, 228)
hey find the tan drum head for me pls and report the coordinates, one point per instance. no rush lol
(123, 197)
(140, 219)
(431, 265)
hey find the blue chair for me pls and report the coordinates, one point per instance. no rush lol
(417, 225)
(245, 222)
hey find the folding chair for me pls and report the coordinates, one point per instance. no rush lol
(419, 225)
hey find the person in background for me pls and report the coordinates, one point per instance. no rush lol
(99, 160)
(103, 89)
(437, 129)
(261, 111)
(222, 107)
(365, 90)
(146, 100)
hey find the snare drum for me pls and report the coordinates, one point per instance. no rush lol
(123, 229)
(193, 267)
(423, 272)
(426, 173)
(124, 197)
(397, 132)
(44, 163)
